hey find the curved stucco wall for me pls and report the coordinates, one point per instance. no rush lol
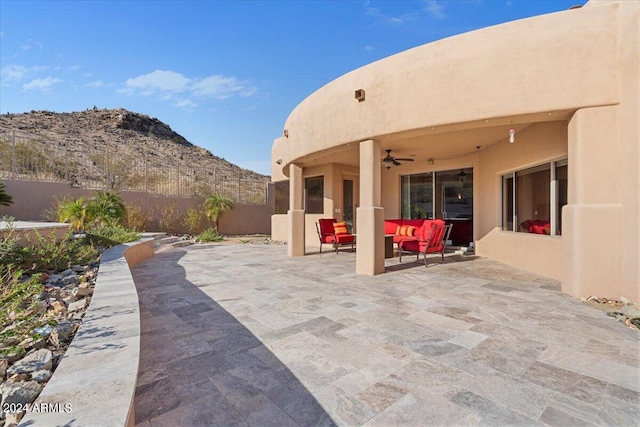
(546, 63)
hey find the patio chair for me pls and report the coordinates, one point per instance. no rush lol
(330, 231)
(434, 242)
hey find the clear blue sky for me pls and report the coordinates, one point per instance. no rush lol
(224, 74)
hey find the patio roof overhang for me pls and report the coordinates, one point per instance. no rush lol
(435, 142)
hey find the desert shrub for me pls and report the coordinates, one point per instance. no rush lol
(209, 235)
(135, 219)
(12, 254)
(49, 253)
(18, 303)
(169, 217)
(193, 220)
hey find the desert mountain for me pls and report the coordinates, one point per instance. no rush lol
(131, 144)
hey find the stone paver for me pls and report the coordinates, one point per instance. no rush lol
(244, 335)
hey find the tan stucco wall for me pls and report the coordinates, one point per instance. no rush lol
(568, 82)
(512, 69)
(279, 227)
(533, 252)
(32, 200)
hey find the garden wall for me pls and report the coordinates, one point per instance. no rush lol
(32, 200)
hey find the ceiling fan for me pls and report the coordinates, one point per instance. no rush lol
(390, 160)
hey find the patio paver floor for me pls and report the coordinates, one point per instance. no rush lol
(244, 335)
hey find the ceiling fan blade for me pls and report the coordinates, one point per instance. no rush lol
(395, 162)
(404, 159)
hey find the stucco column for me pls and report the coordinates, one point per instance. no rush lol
(593, 226)
(370, 216)
(295, 238)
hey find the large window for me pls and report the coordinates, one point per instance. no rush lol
(532, 199)
(314, 195)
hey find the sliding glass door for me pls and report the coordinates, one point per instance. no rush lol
(446, 195)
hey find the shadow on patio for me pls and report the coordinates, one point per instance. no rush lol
(200, 366)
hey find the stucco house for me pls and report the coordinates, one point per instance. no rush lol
(525, 136)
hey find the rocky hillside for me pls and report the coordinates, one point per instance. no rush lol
(82, 141)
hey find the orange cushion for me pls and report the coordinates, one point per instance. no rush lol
(405, 230)
(340, 228)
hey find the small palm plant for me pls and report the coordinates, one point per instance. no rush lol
(5, 199)
(75, 212)
(215, 205)
(107, 207)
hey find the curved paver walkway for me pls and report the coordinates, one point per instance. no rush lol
(244, 335)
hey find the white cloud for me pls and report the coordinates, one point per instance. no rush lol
(158, 80)
(221, 87)
(13, 72)
(97, 83)
(434, 8)
(167, 84)
(368, 48)
(31, 44)
(42, 84)
(401, 19)
(187, 104)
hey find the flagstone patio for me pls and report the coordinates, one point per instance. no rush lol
(244, 335)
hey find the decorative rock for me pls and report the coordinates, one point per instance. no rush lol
(71, 280)
(14, 418)
(624, 300)
(41, 376)
(57, 307)
(67, 272)
(3, 368)
(79, 268)
(34, 361)
(12, 354)
(17, 378)
(65, 330)
(42, 306)
(77, 305)
(20, 393)
(84, 291)
(55, 278)
(44, 330)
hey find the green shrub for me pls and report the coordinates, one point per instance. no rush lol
(5, 199)
(47, 253)
(105, 236)
(107, 207)
(209, 235)
(215, 205)
(12, 255)
(73, 211)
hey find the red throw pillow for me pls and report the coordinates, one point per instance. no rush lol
(340, 228)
